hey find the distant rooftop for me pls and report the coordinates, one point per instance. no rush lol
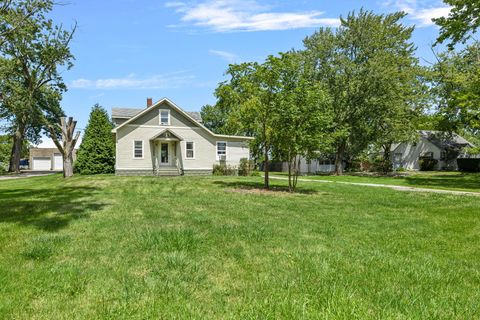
(444, 139)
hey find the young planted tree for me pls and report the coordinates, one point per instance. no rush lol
(303, 116)
(67, 142)
(97, 152)
(252, 99)
(367, 66)
(30, 66)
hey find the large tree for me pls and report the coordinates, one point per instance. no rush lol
(97, 151)
(32, 56)
(461, 23)
(368, 67)
(456, 86)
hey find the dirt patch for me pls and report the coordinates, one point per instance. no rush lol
(282, 192)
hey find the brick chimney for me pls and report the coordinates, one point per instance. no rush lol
(149, 102)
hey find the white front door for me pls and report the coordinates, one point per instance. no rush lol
(57, 161)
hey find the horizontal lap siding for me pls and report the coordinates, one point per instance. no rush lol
(205, 147)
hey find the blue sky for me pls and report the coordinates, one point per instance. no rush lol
(128, 50)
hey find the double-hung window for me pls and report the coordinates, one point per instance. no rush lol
(190, 151)
(221, 150)
(138, 149)
(165, 117)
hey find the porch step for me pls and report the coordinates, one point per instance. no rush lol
(169, 172)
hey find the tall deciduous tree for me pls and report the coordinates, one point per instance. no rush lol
(31, 57)
(456, 85)
(461, 23)
(97, 151)
(368, 67)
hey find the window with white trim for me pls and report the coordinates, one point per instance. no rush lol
(190, 152)
(138, 149)
(221, 150)
(165, 117)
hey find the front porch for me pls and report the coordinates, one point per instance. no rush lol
(166, 154)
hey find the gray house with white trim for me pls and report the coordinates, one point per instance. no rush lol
(163, 139)
(438, 145)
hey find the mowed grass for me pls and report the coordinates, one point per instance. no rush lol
(445, 180)
(108, 247)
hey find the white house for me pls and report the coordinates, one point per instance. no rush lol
(162, 139)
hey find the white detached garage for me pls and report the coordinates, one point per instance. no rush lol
(47, 159)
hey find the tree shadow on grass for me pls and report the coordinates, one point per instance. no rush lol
(49, 209)
(464, 181)
(259, 187)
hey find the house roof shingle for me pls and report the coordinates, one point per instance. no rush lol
(126, 113)
(445, 140)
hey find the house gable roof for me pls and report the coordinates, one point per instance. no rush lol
(445, 140)
(125, 111)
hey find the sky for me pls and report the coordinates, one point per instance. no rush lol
(128, 50)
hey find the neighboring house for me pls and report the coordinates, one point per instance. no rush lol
(46, 159)
(162, 139)
(438, 145)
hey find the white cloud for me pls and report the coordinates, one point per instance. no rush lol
(247, 15)
(227, 56)
(421, 12)
(171, 80)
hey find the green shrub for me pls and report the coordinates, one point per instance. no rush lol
(468, 164)
(379, 164)
(223, 169)
(246, 167)
(401, 169)
(427, 164)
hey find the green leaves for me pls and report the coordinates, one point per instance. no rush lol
(462, 22)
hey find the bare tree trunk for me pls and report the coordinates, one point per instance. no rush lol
(339, 159)
(387, 154)
(68, 143)
(68, 166)
(14, 165)
(266, 169)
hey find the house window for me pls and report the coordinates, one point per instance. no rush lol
(138, 149)
(443, 155)
(190, 151)
(427, 155)
(165, 117)
(221, 150)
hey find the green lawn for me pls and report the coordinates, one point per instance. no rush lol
(432, 180)
(216, 247)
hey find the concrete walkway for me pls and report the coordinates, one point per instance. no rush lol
(394, 187)
(25, 175)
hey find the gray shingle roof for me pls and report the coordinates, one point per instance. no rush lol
(445, 140)
(124, 112)
(131, 112)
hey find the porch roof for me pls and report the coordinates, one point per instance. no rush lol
(167, 135)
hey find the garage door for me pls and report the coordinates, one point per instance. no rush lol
(57, 161)
(42, 163)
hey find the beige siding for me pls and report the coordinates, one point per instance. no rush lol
(152, 118)
(204, 147)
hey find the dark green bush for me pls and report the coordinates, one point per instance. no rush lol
(427, 164)
(468, 165)
(379, 164)
(223, 169)
(246, 167)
